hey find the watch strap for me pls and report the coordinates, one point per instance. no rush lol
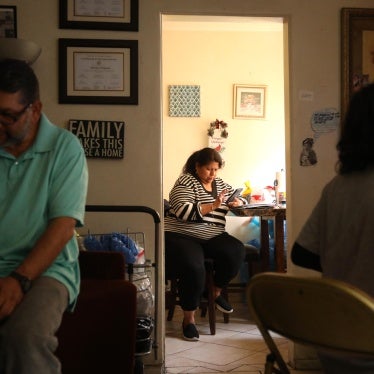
(24, 282)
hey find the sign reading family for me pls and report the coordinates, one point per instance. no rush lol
(100, 139)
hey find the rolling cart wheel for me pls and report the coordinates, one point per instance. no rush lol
(139, 366)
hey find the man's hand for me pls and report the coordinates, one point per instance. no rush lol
(10, 296)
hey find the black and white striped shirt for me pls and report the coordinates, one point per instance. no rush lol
(184, 216)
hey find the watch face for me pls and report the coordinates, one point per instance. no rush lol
(25, 285)
(24, 282)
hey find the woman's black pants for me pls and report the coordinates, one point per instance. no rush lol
(184, 260)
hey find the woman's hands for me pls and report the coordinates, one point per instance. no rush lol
(220, 199)
(209, 207)
(235, 203)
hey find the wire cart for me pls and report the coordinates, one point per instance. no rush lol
(140, 275)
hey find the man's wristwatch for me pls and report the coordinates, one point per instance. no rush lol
(24, 282)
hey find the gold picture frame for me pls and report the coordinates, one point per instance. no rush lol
(249, 101)
(357, 44)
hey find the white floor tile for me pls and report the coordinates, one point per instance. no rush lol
(237, 347)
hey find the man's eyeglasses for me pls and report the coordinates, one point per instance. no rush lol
(9, 119)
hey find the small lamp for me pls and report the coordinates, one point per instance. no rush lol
(19, 49)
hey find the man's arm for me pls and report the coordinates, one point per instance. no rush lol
(302, 257)
(59, 231)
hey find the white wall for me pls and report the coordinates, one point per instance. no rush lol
(315, 60)
(216, 58)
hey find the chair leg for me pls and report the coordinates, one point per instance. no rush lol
(204, 309)
(172, 298)
(269, 364)
(225, 294)
(209, 306)
(211, 303)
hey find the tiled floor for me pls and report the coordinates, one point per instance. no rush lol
(237, 346)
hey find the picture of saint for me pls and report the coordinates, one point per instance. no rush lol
(308, 156)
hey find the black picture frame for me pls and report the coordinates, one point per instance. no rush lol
(8, 21)
(98, 71)
(128, 21)
(357, 26)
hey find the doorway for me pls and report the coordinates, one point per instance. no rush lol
(215, 53)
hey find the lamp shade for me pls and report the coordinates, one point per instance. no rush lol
(19, 49)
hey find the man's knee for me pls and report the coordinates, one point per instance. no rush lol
(22, 337)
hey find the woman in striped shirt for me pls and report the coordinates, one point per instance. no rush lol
(195, 230)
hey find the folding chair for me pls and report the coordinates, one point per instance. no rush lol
(323, 313)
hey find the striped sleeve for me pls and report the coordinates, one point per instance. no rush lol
(185, 217)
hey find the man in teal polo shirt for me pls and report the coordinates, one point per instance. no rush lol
(43, 184)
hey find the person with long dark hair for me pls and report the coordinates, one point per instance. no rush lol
(338, 237)
(195, 230)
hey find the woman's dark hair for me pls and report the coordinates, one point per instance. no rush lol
(355, 148)
(202, 157)
(17, 75)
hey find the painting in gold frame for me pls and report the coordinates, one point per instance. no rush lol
(357, 48)
(249, 101)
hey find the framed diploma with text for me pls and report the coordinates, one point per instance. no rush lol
(120, 15)
(8, 21)
(98, 71)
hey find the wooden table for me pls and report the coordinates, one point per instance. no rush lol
(265, 213)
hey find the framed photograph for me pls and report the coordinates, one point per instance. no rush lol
(119, 15)
(98, 71)
(357, 46)
(8, 21)
(249, 101)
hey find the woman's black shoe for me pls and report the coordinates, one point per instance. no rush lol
(223, 305)
(190, 332)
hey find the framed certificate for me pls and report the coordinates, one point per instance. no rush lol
(8, 21)
(98, 71)
(120, 15)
